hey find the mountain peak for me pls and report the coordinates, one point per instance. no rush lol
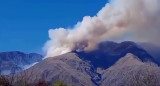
(67, 67)
(129, 59)
(126, 68)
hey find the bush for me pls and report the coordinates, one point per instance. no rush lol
(59, 83)
(4, 82)
(42, 83)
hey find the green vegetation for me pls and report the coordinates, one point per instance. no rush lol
(59, 83)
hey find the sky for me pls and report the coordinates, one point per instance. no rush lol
(24, 24)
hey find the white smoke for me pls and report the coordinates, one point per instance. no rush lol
(137, 19)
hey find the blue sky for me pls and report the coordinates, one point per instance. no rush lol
(24, 24)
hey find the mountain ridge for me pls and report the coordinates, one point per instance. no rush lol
(113, 61)
(16, 61)
(67, 67)
(73, 70)
(108, 52)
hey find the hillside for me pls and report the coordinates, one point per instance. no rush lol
(15, 61)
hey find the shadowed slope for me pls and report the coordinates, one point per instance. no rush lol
(107, 53)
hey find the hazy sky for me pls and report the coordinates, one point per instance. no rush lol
(24, 24)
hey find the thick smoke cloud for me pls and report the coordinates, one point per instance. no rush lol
(118, 20)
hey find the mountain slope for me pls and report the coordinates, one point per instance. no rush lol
(128, 70)
(107, 53)
(152, 49)
(67, 67)
(77, 72)
(82, 68)
(16, 61)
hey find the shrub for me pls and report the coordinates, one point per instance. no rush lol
(59, 83)
(4, 82)
(42, 83)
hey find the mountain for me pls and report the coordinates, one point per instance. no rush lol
(131, 71)
(67, 67)
(107, 53)
(15, 61)
(74, 71)
(152, 49)
(111, 64)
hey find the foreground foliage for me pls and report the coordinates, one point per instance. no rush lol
(4, 82)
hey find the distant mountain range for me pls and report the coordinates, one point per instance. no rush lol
(111, 64)
(15, 61)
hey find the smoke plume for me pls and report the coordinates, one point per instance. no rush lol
(118, 20)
